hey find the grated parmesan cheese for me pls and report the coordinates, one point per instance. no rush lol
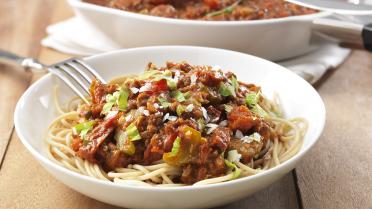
(193, 79)
(223, 123)
(189, 108)
(128, 117)
(239, 134)
(172, 118)
(146, 87)
(134, 90)
(111, 114)
(166, 116)
(146, 112)
(212, 127)
(205, 114)
(253, 137)
(233, 156)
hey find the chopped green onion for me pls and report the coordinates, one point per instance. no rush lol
(122, 101)
(252, 99)
(235, 83)
(236, 171)
(132, 132)
(124, 144)
(227, 90)
(180, 109)
(179, 96)
(172, 84)
(83, 128)
(176, 147)
(147, 74)
(110, 101)
(260, 111)
(228, 107)
(167, 73)
(164, 102)
(187, 95)
(201, 124)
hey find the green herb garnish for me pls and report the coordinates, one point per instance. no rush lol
(226, 10)
(164, 102)
(124, 144)
(227, 90)
(119, 98)
(178, 96)
(132, 132)
(180, 109)
(176, 147)
(252, 99)
(84, 128)
(122, 100)
(260, 111)
(148, 74)
(235, 83)
(201, 124)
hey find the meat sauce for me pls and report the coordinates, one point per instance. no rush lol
(228, 10)
(188, 116)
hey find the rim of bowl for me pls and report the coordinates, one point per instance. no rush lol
(49, 162)
(90, 6)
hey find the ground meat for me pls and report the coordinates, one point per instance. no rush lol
(148, 125)
(164, 11)
(209, 78)
(220, 139)
(214, 114)
(142, 99)
(240, 118)
(154, 150)
(213, 96)
(247, 150)
(192, 173)
(95, 138)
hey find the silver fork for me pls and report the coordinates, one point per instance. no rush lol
(73, 72)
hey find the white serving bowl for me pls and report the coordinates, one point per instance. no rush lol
(273, 39)
(35, 110)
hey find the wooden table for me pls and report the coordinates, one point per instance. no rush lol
(337, 173)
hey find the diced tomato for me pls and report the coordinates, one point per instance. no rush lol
(240, 118)
(160, 85)
(213, 4)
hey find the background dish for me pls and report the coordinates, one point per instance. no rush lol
(274, 39)
(299, 99)
(233, 10)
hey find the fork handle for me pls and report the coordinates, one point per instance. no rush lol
(24, 62)
(348, 33)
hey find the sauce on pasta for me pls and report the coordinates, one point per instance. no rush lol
(174, 125)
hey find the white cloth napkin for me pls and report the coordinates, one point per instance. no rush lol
(76, 37)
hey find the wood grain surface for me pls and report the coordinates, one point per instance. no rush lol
(21, 28)
(336, 174)
(338, 171)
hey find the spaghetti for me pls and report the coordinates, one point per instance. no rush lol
(247, 152)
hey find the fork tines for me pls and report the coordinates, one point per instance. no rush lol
(77, 75)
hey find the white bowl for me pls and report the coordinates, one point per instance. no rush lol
(273, 39)
(35, 110)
